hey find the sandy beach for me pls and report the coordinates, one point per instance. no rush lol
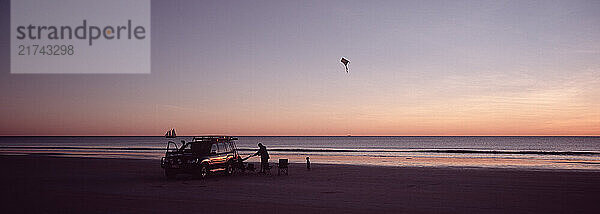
(92, 185)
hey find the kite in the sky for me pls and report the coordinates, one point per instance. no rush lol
(345, 62)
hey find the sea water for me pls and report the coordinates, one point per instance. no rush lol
(504, 152)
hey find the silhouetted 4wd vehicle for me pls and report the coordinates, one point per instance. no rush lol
(201, 156)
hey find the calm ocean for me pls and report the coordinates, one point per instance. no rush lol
(528, 152)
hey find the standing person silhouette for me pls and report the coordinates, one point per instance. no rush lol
(264, 157)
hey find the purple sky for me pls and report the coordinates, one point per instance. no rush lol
(272, 68)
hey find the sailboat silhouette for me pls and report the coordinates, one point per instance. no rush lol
(171, 134)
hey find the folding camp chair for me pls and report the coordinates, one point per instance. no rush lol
(282, 167)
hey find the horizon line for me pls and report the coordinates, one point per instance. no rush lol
(304, 135)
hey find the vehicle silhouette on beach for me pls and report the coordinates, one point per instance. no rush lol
(201, 156)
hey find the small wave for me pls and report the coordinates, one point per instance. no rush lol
(83, 148)
(578, 162)
(457, 151)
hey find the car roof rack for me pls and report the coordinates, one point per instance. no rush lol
(213, 138)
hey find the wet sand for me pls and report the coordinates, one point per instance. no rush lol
(92, 185)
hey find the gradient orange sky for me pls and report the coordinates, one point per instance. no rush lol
(272, 68)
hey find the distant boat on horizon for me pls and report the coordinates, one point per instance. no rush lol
(171, 134)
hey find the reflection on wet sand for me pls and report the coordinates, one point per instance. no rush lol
(450, 161)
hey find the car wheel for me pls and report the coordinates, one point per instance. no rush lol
(229, 169)
(203, 171)
(169, 173)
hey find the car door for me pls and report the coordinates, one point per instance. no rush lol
(213, 157)
(222, 154)
(187, 155)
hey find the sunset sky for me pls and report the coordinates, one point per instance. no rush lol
(272, 68)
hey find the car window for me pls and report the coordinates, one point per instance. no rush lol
(200, 148)
(230, 146)
(186, 148)
(222, 148)
(213, 148)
